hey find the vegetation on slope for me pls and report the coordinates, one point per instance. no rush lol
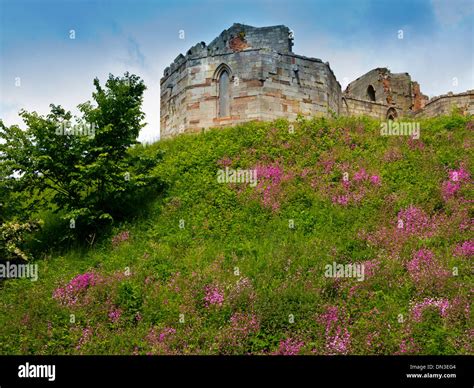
(232, 268)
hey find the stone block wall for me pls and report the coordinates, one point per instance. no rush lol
(394, 89)
(444, 104)
(356, 107)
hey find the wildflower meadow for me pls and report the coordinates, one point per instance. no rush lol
(212, 266)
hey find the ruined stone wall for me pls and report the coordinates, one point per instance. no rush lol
(358, 88)
(295, 85)
(173, 98)
(245, 69)
(394, 89)
(267, 81)
(444, 104)
(399, 90)
(419, 99)
(355, 107)
(240, 37)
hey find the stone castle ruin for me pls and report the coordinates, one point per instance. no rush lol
(249, 73)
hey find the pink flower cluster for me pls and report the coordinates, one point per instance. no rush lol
(459, 175)
(85, 337)
(370, 266)
(155, 338)
(361, 175)
(121, 237)
(115, 314)
(289, 347)
(269, 179)
(418, 308)
(355, 192)
(224, 162)
(449, 189)
(407, 346)
(456, 178)
(341, 200)
(213, 296)
(413, 220)
(410, 222)
(423, 267)
(69, 294)
(167, 331)
(338, 338)
(465, 249)
(339, 342)
(244, 324)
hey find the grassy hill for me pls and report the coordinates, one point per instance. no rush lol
(232, 268)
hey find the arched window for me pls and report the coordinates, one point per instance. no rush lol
(392, 114)
(224, 94)
(371, 93)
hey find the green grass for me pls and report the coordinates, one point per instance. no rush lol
(239, 241)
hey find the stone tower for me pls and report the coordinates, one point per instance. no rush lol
(246, 73)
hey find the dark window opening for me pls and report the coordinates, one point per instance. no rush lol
(371, 93)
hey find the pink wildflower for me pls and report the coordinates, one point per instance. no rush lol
(115, 314)
(213, 296)
(69, 294)
(121, 237)
(289, 347)
(418, 308)
(465, 249)
(375, 179)
(361, 175)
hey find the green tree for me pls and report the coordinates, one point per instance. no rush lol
(85, 169)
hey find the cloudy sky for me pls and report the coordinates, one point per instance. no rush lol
(40, 63)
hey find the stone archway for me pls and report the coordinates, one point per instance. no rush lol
(392, 114)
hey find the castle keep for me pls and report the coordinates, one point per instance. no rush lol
(250, 73)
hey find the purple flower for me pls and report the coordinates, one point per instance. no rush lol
(441, 304)
(69, 294)
(338, 338)
(86, 335)
(213, 296)
(115, 314)
(375, 179)
(289, 347)
(449, 189)
(121, 237)
(414, 220)
(341, 200)
(423, 268)
(459, 175)
(465, 249)
(361, 175)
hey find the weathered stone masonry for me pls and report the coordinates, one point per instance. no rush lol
(250, 73)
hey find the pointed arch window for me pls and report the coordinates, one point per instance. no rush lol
(224, 93)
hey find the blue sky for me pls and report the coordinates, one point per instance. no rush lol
(143, 37)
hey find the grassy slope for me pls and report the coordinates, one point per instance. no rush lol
(237, 240)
